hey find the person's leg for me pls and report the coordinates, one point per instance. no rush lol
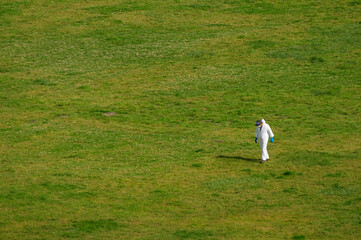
(263, 146)
(266, 152)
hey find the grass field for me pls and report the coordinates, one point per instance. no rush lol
(135, 119)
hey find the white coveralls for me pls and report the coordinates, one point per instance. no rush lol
(262, 134)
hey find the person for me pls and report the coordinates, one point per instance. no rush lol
(263, 132)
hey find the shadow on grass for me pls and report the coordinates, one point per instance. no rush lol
(240, 158)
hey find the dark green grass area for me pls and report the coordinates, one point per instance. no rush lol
(135, 119)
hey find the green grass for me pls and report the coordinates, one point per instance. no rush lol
(135, 119)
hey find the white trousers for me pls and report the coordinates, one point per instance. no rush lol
(263, 146)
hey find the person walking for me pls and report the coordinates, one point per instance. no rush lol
(263, 132)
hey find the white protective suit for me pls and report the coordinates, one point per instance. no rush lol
(262, 134)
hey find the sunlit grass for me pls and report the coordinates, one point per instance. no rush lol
(135, 119)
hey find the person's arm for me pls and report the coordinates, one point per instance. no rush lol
(270, 133)
(255, 139)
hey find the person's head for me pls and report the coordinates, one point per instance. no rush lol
(259, 123)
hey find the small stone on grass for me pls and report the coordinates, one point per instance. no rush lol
(108, 114)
